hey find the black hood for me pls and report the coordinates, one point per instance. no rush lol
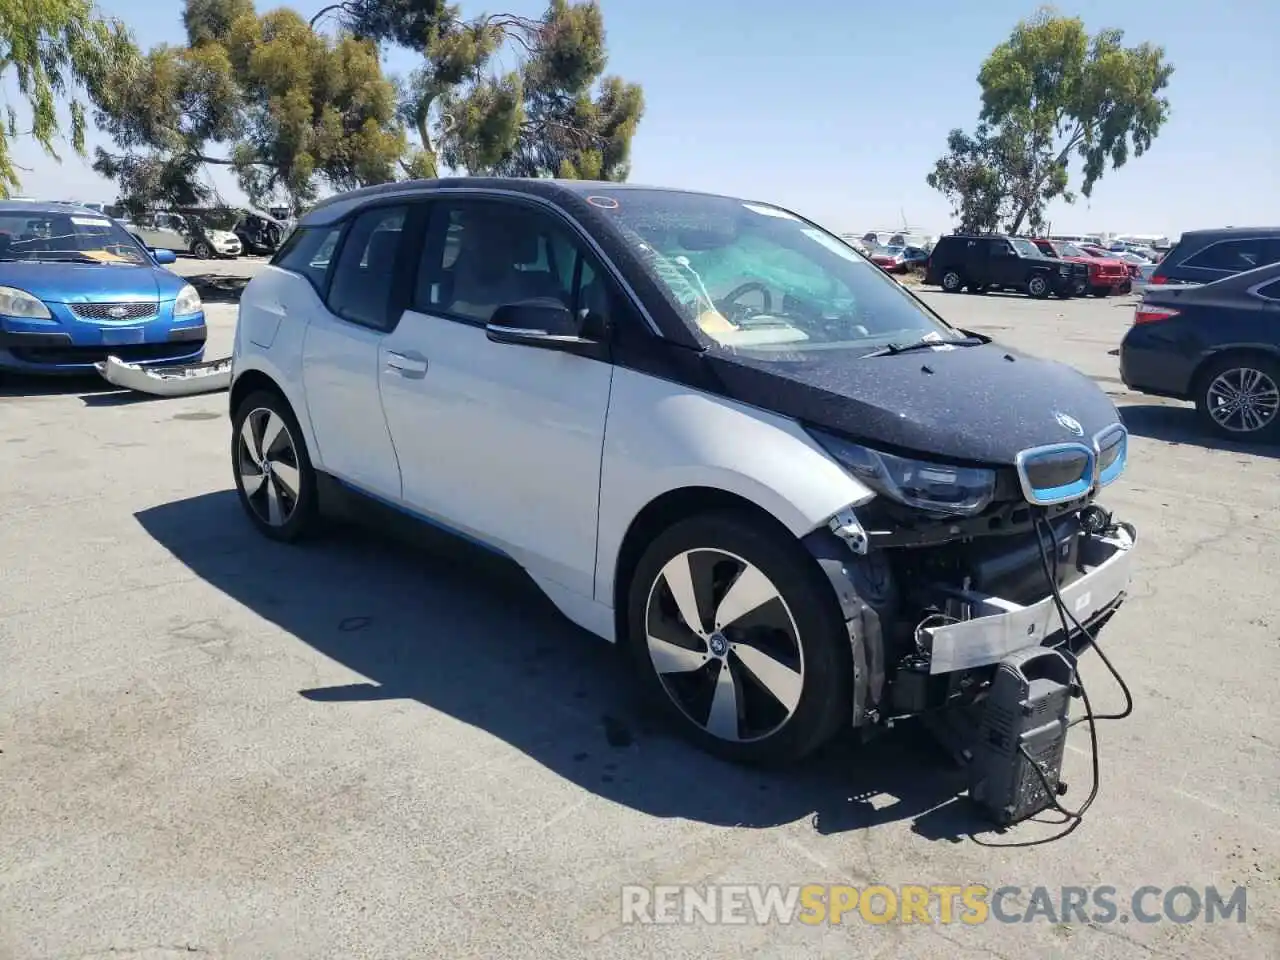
(981, 404)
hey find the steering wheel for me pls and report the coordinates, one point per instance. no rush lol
(728, 303)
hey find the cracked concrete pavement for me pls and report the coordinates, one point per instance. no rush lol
(212, 745)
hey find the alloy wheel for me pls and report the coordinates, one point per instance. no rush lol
(268, 463)
(725, 645)
(1037, 286)
(1243, 400)
(951, 280)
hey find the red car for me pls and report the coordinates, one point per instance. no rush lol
(1100, 253)
(1107, 275)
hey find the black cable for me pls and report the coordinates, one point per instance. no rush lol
(1067, 619)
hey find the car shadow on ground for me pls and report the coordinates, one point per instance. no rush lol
(218, 288)
(93, 391)
(471, 637)
(1181, 425)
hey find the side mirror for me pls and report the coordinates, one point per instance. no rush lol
(163, 257)
(548, 324)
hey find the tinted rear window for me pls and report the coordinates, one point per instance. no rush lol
(1235, 256)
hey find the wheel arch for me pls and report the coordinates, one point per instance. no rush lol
(261, 377)
(1217, 356)
(662, 513)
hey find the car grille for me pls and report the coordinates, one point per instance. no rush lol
(115, 311)
(1064, 471)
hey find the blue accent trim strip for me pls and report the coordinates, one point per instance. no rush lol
(423, 518)
(1113, 471)
(1046, 497)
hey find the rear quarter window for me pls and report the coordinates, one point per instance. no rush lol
(1236, 256)
(308, 253)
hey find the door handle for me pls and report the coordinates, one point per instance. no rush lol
(407, 365)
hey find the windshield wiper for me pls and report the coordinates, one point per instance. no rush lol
(926, 342)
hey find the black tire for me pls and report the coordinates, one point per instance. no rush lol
(201, 250)
(1038, 286)
(1080, 288)
(1100, 292)
(814, 639)
(302, 516)
(1235, 370)
(952, 281)
(977, 288)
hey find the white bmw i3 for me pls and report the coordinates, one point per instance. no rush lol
(707, 428)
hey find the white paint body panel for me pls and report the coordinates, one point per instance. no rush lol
(501, 442)
(541, 455)
(663, 436)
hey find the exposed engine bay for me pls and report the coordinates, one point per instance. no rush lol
(942, 611)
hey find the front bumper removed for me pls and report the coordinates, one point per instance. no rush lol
(990, 628)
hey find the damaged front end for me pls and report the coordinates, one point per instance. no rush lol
(948, 571)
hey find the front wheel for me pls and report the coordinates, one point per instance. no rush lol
(202, 250)
(737, 636)
(1238, 398)
(1038, 287)
(273, 473)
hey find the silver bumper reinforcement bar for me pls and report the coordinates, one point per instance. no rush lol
(997, 627)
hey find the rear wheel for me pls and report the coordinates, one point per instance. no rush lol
(273, 472)
(1038, 287)
(738, 638)
(1101, 291)
(952, 281)
(1238, 398)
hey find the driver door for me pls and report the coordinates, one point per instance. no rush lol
(500, 442)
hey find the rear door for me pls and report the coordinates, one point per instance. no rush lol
(341, 353)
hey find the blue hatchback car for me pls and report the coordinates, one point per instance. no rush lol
(76, 287)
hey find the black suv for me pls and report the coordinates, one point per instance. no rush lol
(982, 262)
(1203, 256)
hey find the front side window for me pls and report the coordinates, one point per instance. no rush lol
(753, 277)
(496, 253)
(362, 278)
(72, 238)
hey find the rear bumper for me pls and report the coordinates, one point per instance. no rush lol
(997, 627)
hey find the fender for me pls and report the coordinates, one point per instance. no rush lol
(662, 436)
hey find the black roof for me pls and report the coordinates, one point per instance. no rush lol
(536, 186)
(1232, 232)
(47, 208)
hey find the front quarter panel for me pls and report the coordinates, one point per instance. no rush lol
(661, 436)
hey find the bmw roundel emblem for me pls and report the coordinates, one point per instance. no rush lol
(1068, 422)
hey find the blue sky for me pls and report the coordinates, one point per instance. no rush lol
(838, 110)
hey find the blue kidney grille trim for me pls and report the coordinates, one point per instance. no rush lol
(1056, 473)
(1113, 453)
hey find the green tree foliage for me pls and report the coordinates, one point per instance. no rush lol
(1052, 94)
(557, 115)
(285, 107)
(56, 51)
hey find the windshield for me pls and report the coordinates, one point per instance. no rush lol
(754, 278)
(59, 237)
(1069, 250)
(1025, 247)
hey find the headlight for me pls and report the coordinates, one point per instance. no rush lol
(19, 303)
(933, 487)
(187, 303)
